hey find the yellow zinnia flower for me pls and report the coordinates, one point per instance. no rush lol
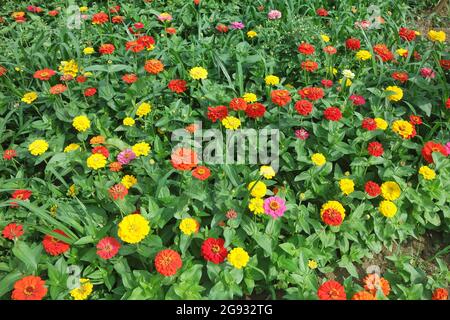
(250, 97)
(238, 257)
(403, 128)
(71, 147)
(436, 35)
(396, 93)
(325, 38)
(251, 34)
(128, 121)
(231, 123)
(29, 97)
(363, 55)
(387, 208)
(69, 68)
(272, 80)
(267, 172)
(38, 147)
(427, 173)
(128, 181)
(189, 226)
(336, 205)
(143, 109)
(256, 205)
(141, 149)
(390, 190)
(83, 291)
(81, 123)
(347, 186)
(88, 50)
(312, 264)
(96, 161)
(198, 73)
(258, 189)
(381, 123)
(318, 159)
(133, 228)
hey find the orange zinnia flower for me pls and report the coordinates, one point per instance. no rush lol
(153, 66)
(44, 74)
(373, 282)
(167, 262)
(184, 159)
(29, 288)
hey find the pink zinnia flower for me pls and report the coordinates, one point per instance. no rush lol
(237, 25)
(165, 17)
(274, 14)
(364, 24)
(427, 73)
(274, 206)
(126, 156)
(447, 147)
(301, 134)
(107, 248)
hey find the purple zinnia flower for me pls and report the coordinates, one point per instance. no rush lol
(126, 156)
(302, 134)
(274, 206)
(274, 14)
(237, 25)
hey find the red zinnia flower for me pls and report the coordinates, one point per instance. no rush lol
(357, 100)
(117, 19)
(306, 48)
(383, 52)
(118, 191)
(400, 76)
(55, 246)
(134, 46)
(280, 97)
(81, 79)
(167, 262)
(330, 50)
(213, 250)
(373, 282)
(102, 150)
(238, 104)
(309, 65)
(107, 248)
(114, 9)
(332, 217)
(415, 120)
(369, 124)
(201, 173)
(311, 93)
(303, 107)
(3, 70)
(184, 159)
(107, 48)
(29, 288)
(100, 18)
(440, 294)
(331, 290)
(372, 189)
(153, 66)
(447, 104)
(53, 13)
(217, 113)
(129, 78)
(177, 86)
(326, 83)
(58, 89)
(146, 41)
(89, 92)
(332, 113)
(353, 44)
(222, 28)
(255, 110)
(12, 231)
(171, 30)
(44, 74)
(431, 147)
(407, 34)
(9, 154)
(322, 12)
(20, 195)
(375, 149)
(445, 64)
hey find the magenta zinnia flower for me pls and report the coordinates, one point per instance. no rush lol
(126, 156)
(357, 100)
(274, 14)
(274, 206)
(301, 134)
(237, 25)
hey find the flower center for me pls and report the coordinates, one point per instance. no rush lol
(274, 205)
(215, 248)
(29, 290)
